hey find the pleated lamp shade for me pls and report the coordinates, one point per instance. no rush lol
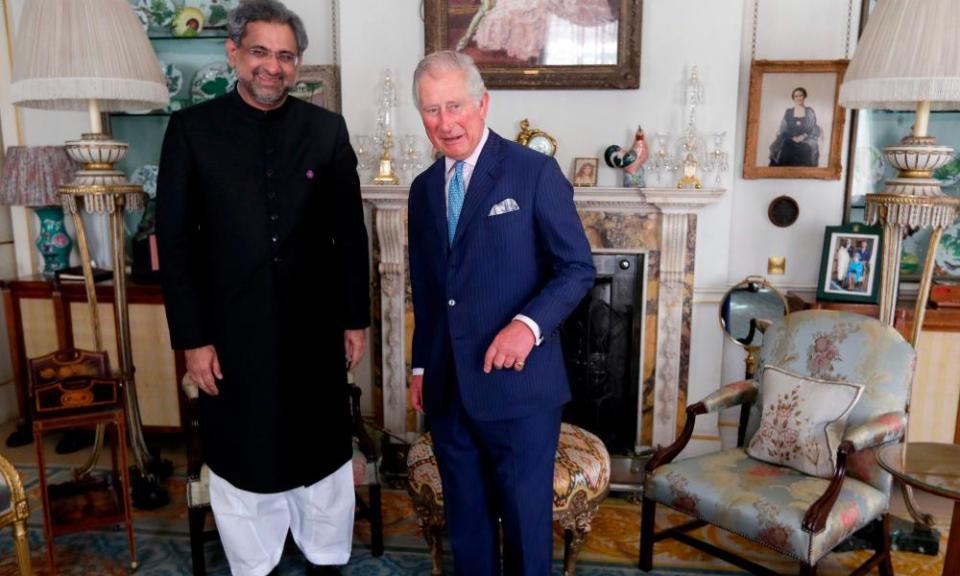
(909, 53)
(69, 52)
(31, 175)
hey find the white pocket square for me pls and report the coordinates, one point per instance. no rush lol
(508, 205)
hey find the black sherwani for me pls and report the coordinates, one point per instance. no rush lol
(263, 253)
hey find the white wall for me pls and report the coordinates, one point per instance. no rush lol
(735, 236)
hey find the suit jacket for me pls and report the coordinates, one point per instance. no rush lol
(534, 260)
(263, 253)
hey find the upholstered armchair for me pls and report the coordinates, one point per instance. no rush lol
(802, 483)
(14, 512)
(365, 473)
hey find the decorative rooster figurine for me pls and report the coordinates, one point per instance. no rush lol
(631, 160)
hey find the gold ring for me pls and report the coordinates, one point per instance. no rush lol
(520, 364)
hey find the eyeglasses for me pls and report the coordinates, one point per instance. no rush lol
(284, 58)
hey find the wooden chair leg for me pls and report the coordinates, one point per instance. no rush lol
(882, 544)
(572, 541)
(434, 537)
(648, 514)
(22, 546)
(376, 521)
(196, 518)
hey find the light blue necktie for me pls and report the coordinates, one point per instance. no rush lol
(454, 200)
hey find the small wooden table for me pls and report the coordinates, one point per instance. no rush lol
(935, 468)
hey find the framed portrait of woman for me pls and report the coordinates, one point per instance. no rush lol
(541, 43)
(794, 121)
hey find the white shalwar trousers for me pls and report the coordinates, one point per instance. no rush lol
(253, 527)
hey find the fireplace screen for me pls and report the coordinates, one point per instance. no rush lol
(601, 345)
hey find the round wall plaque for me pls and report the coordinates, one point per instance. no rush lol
(783, 211)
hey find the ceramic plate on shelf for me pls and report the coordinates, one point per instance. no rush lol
(211, 81)
(174, 78)
(214, 10)
(146, 176)
(160, 12)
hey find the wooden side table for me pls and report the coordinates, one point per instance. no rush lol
(932, 467)
(86, 503)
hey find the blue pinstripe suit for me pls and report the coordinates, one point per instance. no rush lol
(495, 434)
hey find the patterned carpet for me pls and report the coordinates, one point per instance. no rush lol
(611, 550)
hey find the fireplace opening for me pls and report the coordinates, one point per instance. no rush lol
(602, 343)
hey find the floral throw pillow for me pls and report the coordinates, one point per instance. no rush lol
(803, 421)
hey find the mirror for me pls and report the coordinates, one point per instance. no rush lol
(748, 308)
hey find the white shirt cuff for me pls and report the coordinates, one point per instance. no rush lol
(532, 325)
(417, 372)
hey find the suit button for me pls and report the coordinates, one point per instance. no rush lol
(274, 238)
(271, 195)
(269, 172)
(274, 217)
(277, 259)
(451, 302)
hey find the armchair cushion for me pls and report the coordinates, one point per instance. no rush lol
(763, 502)
(802, 421)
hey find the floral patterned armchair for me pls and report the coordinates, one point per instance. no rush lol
(801, 516)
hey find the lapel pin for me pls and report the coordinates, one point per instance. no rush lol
(309, 174)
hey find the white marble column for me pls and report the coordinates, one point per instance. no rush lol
(390, 219)
(676, 207)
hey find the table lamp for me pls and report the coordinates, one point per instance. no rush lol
(908, 58)
(31, 177)
(94, 55)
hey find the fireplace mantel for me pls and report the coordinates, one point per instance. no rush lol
(670, 211)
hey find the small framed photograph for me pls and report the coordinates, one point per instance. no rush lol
(850, 266)
(794, 119)
(585, 171)
(319, 85)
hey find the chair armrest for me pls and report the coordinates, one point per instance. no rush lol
(190, 388)
(666, 455)
(883, 429)
(815, 520)
(733, 394)
(18, 497)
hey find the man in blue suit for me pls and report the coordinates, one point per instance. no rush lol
(498, 259)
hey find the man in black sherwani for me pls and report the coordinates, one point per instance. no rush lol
(263, 253)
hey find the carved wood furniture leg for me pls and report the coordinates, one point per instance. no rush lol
(22, 546)
(951, 565)
(647, 515)
(881, 544)
(433, 534)
(376, 521)
(196, 518)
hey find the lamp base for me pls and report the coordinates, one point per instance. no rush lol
(53, 242)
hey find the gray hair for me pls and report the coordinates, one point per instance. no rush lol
(272, 11)
(448, 60)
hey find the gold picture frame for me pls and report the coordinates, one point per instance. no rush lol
(783, 144)
(320, 85)
(585, 172)
(454, 25)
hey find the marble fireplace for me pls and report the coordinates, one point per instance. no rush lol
(657, 224)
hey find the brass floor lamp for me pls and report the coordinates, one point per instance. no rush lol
(907, 59)
(94, 55)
